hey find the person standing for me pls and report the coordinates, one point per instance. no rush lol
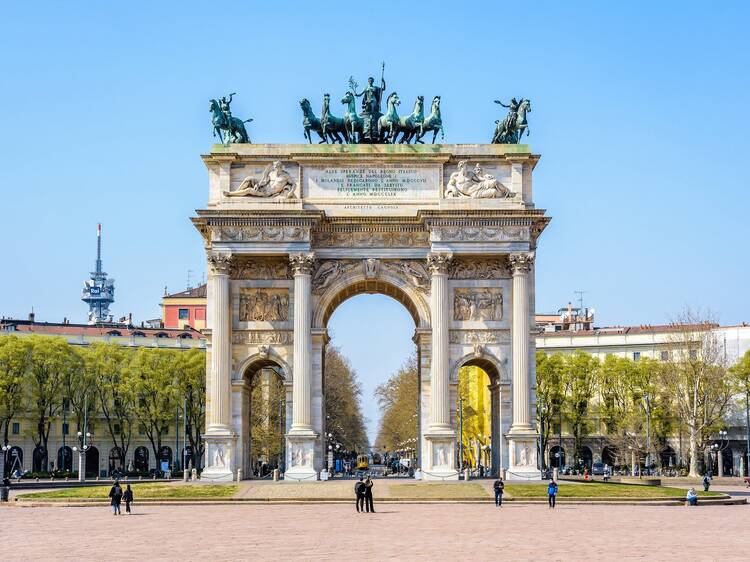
(115, 494)
(552, 494)
(359, 491)
(499, 487)
(128, 498)
(368, 495)
(706, 482)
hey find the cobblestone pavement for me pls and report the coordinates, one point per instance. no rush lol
(406, 532)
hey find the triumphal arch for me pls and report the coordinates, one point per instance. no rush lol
(291, 231)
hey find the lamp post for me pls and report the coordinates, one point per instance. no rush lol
(83, 443)
(647, 402)
(4, 459)
(719, 448)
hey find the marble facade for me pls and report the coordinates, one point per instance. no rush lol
(370, 219)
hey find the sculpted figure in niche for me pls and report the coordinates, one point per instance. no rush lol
(275, 181)
(475, 184)
(219, 457)
(261, 306)
(326, 273)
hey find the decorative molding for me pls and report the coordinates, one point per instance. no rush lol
(478, 304)
(479, 268)
(263, 337)
(370, 239)
(481, 337)
(479, 234)
(261, 234)
(521, 262)
(264, 305)
(439, 263)
(260, 268)
(302, 263)
(327, 271)
(219, 264)
(413, 272)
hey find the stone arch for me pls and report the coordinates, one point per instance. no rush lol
(384, 283)
(486, 361)
(257, 361)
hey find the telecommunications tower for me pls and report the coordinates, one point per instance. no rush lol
(98, 291)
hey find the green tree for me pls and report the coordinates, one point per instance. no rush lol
(343, 408)
(79, 387)
(150, 384)
(549, 393)
(266, 412)
(107, 363)
(398, 398)
(192, 390)
(15, 355)
(579, 378)
(51, 361)
(741, 381)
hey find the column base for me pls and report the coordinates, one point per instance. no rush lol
(522, 457)
(440, 463)
(300, 457)
(220, 461)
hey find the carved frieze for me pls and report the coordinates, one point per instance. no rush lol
(261, 268)
(482, 337)
(413, 272)
(262, 233)
(479, 268)
(264, 305)
(371, 239)
(452, 233)
(263, 337)
(478, 303)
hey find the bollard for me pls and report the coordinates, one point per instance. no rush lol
(140, 478)
(555, 474)
(239, 475)
(194, 474)
(185, 475)
(275, 474)
(467, 474)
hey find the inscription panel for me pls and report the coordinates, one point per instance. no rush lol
(367, 181)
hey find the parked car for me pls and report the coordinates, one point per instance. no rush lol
(597, 469)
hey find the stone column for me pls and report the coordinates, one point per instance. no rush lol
(218, 414)
(520, 264)
(300, 443)
(302, 366)
(439, 396)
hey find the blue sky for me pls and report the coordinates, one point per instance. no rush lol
(639, 112)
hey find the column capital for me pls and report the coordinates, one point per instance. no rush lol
(521, 262)
(439, 262)
(219, 263)
(302, 263)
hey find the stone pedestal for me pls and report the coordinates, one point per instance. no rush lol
(522, 457)
(440, 463)
(300, 454)
(220, 457)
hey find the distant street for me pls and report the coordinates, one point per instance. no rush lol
(406, 532)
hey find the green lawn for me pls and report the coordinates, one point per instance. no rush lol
(437, 490)
(599, 490)
(141, 492)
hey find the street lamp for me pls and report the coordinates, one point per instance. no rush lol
(81, 448)
(719, 448)
(6, 449)
(647, 402)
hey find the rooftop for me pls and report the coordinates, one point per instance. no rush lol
(198, 292)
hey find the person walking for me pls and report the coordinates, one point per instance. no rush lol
(552, 494)
(368, 495)
(359, 492)
(706, 482)
(115, 494)
(128, 498)
(499, 489)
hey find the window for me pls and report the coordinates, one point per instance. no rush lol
(16, 428)
(161, 335)
(66, 404)
(142, 429)
(636, 356)
(115, 333)
(139, 334)
(66, 429)
(185, 336)
(200, 313)
(166, 430)
(664, 355)
(693, 354)
(116, 429)
(183, 314)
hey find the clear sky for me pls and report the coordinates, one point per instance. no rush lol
(639, 110)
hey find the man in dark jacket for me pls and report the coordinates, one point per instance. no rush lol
(499, 488)
(368, 495)
(127, 497)
(115, 495)
(359, 491)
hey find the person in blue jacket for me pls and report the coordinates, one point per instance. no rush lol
(552, 493)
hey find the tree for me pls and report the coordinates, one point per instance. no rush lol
(51, 360)
(150, 383)
(106, 362)
(549, 395)
(741, 380)
(15, 355)
(343, 392)
(398, 399)
(695, 376)
(79, 387)
(579, 377)
(266, 424)
(613, 385)
(192, 389)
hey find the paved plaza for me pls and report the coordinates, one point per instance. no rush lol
(403, 531)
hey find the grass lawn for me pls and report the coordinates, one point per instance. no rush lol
(427, 491)
(599, 490)
(140, 491)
